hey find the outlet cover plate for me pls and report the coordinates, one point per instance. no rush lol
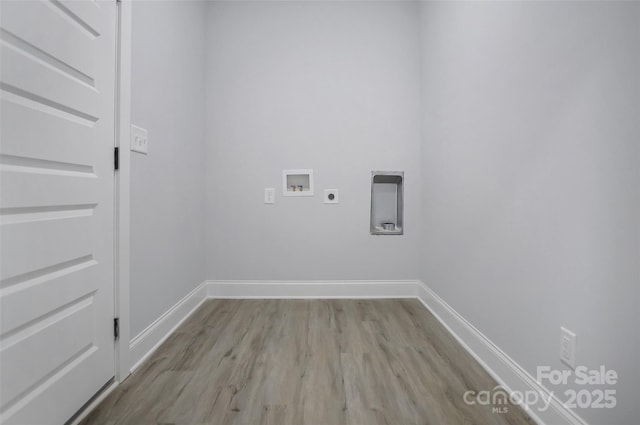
(568, 347)
(139, 140)
(269, 195)
(331, 196)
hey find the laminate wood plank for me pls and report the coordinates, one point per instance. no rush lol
(314, 362)
(323, 398)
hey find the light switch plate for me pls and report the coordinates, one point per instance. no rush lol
(139, 140)
(269, 195)
(568, 347)
(331, 196)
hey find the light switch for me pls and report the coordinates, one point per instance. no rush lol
(269, 195)
(139, 140)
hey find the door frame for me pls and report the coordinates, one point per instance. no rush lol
(122, 233)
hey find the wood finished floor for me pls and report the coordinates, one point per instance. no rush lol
(313, 362)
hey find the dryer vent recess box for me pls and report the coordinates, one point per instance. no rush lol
(387, 202)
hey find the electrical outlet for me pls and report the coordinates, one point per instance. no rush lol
(331, 196)
(139, 140)
(269, 195)
(568, 347)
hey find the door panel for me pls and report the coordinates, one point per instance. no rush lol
(44, 184)
(52, 33)
(28, 76)
(51, 331)
(56, 206)
(32, 141)
(44, 240)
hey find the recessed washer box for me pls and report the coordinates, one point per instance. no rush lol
(387, 203)
(297, 182)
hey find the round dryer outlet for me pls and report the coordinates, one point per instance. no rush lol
(331, 196)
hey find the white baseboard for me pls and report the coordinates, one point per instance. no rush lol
(499, 365)
(312, 289)
(147, 341)
(509, 374)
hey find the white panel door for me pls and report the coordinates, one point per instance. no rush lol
(56, 206)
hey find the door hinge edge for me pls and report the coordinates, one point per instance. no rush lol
(116, 328)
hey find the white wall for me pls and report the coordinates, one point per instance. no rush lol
(167, 187)
(530, 178)
(522, 197)
(330, 86)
